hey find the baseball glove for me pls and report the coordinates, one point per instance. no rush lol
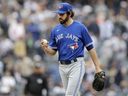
(99, 81)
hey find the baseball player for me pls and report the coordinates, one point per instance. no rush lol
(69, 38)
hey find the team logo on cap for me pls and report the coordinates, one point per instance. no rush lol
(61, 6)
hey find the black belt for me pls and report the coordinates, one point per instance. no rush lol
(67, 62)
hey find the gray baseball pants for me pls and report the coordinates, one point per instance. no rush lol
(72, 76)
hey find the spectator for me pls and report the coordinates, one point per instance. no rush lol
(37, 83)
(8, 84)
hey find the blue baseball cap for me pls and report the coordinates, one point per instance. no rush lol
(63, 8)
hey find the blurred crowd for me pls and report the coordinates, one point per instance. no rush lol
(23, 23)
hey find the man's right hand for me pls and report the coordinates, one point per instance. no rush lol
(44, 44)
(46, 48)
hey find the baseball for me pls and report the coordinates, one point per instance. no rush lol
(44, 41)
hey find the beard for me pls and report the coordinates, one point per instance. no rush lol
(63, 21)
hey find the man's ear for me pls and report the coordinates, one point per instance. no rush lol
(69, 13)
